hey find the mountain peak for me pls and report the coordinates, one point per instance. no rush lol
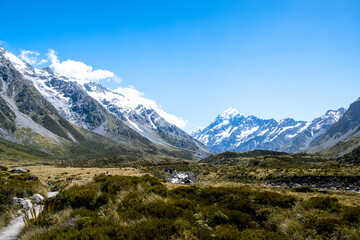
(340, 111)
(230, 112)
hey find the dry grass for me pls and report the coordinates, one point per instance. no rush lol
(79, 175)
(33, 232)
(5, 219)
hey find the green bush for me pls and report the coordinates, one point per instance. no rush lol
(324, 203)
(83, 212)
(323, 226)
(115, 184)
(187, 192)
(226, 232)
(161, 209)
(260, 234)
(159, 189)
(303, 189)
(275, 199)
(351, 214)
(6, 194)
(239, 219)
(77, 197)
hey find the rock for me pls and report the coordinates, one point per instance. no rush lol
(25, 203)
(183, 178)
(37, 197)
(19, 170)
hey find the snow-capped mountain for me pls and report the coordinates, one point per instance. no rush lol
(142, 118)
(28, 116)
(231, 131)
(90, 106)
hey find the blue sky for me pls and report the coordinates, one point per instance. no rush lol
(271, 59)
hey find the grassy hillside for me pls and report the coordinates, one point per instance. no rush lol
(352, 157)
(342, 147)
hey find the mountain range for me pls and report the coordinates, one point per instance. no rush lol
(231, 131)
(53, 112)
(70, 117)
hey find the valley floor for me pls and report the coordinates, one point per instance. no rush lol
(231, 198)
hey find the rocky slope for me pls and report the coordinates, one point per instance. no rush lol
(38, 102)
(144, 119)
(343, 136)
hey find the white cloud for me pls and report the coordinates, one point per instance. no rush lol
(137, 98)
(31, 57)
(79, 70)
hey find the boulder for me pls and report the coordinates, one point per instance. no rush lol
(37, 197)
(19, 170)
(25, 203)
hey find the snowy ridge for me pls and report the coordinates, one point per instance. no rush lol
(232, 131)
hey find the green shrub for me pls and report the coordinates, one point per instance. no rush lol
(303, 189)
(226, 232)
(187, 192)
(77, 197)
(323, 226)
(6, 194)
(154, 228)
(159, 190)
(83, 212)
(351, 214)
(260, 234)
(161, 209)
(115, 184)
(238, 202)
(275, 199)
(240, 219)
(104, 199)
(324, 203)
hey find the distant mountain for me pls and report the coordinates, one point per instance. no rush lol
(232, 131)
(61, 108)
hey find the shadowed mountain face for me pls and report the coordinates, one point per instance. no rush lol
(345, 132)
(38, 104)
(232, 131)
